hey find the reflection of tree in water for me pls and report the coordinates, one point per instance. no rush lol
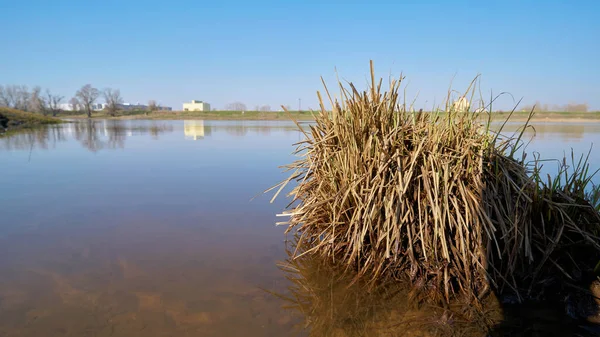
(87, 133)
(264, 130)
(116, 133)
(236, 130)
(43, 138)
(564, 131)
(329, 303)
(156, 130)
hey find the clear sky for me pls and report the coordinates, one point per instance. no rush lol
(274, 52)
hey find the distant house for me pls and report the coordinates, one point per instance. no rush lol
(196, 105)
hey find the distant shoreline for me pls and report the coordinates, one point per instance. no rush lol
(213, 115)
(552, 117)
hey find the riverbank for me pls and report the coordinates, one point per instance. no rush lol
(13, 120)
(208, 115)
(553, 117)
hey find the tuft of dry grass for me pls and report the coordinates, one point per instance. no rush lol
(435, 198)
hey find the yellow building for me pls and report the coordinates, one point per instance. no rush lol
(196, 106)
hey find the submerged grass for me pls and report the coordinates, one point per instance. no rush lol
(437, 199)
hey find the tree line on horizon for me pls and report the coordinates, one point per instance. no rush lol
(571, 107)
(45, 102)
(239, 106)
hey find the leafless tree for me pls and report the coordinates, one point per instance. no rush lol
(36, 101)
(113, 99)
(87, 95)
(7, 96)
(576, 107)
(571, 107)
(74, 103)
(152, 106)
(265, 108)
(3, 98)
(15, 96)
(236, 106)
(52, 103)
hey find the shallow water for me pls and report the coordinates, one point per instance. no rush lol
(148, 228)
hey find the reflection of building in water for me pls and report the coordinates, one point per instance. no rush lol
(195, 130)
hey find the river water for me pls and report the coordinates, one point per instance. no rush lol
(159, 228)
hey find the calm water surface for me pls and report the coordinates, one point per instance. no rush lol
(148, 228)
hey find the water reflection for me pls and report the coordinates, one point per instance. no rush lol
(199, 129)
(87, 133)
(93, 135)
(323, 296)
(196, 130)
(43, 138)
(160, 239)
(552, 130)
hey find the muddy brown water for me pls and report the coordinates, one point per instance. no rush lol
(148, 228)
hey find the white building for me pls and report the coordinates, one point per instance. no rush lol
(70, 107)
(462, 104)
(196, 105)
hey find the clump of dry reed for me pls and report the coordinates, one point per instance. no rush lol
(433, 197)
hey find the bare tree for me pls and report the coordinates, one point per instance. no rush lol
(87, 95)
(571, 107)
(36, 101)
(3, 97)
(7, 96)
(15, 96)
(52, 103)
(576, 107)
(113, 99)
(236, 106)
(152, 106)
(21, 94)
(265, 108)
(74, 103)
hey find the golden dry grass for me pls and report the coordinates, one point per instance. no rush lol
(435, 198)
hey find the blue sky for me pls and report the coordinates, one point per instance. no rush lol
(274, 52)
